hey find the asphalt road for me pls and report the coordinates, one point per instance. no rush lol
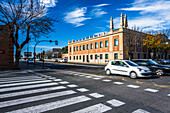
(68, 91)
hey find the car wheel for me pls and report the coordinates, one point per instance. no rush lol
(108, 72)
(133, 75)
(159, 72)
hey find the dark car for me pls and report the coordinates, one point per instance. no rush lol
(154, 66)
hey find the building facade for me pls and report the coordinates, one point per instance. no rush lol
(6, 49)
(116, 44)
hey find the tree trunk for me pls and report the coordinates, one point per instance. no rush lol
(17, 55)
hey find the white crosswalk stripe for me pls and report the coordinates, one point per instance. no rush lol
(115, 103)
(52, 105)
(82, 90)
(18, 78)
(96, 95)
(26, 87)
(133, 86)
(35, 98)
(31, 91)
(98, 108)
(151, 90)
(118, 83)
(24, 83)
(140, 111)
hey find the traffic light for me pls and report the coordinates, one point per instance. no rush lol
(43, 52)
(56, 42)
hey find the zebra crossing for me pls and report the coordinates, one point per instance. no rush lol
(49, 93)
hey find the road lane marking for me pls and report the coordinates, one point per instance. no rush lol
(168, 94)
(18, 78)
(96, 95)
(15, 81)
(88, 76)
(82, 75)
(82, 90)
(118, 83)
(115, 103)
(140, 111)
(64, 82)
(57, 80)
(96, 78)
(24, 83)
(107, 80)
(72, 85)
(98, 108)
(31, 91)
(52, 105)
(151, 90)
(133, 86)
(26, 87)
(35, 98)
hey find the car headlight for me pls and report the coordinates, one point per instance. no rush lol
(141, 70)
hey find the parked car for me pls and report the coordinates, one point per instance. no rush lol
(126, 67)
(63, 60)
(156, 68)
(55, 60)
(162, 61)
(41, 59)
(30, 61)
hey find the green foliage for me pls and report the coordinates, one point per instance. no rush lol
(65, 49)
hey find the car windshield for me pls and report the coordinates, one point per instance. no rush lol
(152, 62)
(131, 63)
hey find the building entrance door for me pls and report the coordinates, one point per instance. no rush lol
(87, 58)
(83, 58)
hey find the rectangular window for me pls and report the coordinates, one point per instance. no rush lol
(106, 43)
(77, 57)
(116, 56)
(80, 48)
(96, 45)
(74, 48)
(70, 49)
(70, 57)
(80, 57)
(83, 47)
(87, 46)
(74, 57)
(101, 56)
(91, 57)
(95, 56)
(116, 42)
(91, 45)
(106, 56)
(101, 44)
(77, 48)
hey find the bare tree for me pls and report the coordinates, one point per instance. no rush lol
(49, 54)
(26, 17)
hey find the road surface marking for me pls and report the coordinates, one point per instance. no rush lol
(18, 78)
(88, 76)
(72, 85)
(133, 86)
(82, 75)
(96, 95)
(151, 90)
(82, 90)
(52, 105)
(15, 81)
(140, 111)
(119, 83)
(57, 80)
(24, 83)
(31, 91)
(168, 94)
(98, 108)
(64, 82)
(115, 103)
(107, 80)
(76, 74)
(96, 78)
(26, 87)
(35, 98)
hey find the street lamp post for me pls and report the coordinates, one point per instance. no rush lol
(139, 40)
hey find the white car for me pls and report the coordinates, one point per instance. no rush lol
(126, 67)
(63, 60)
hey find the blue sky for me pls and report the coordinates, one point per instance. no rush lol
(83, 18)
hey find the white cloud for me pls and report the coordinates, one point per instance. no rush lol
(48, 3)
(98, 12)
(100, 5)
(46, 47)
(77, 16)
(152, 12)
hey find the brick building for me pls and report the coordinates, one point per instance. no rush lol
(110, 46)
(6, 49)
